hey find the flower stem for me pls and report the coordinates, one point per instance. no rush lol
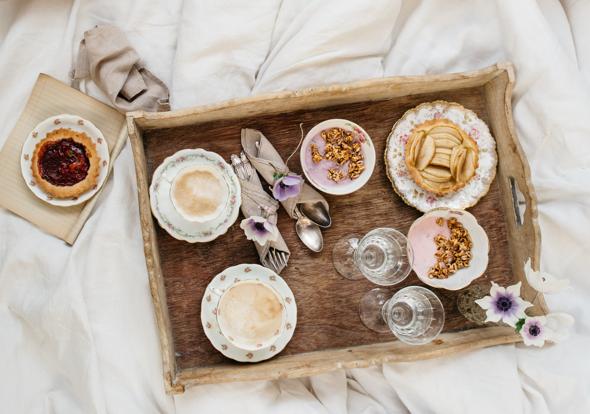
(297, 147)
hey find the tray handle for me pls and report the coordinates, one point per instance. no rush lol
(518, 201)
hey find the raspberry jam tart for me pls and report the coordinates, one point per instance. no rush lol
(65, 163)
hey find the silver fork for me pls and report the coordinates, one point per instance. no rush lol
(244, 171)
(277, 259)
(239, 167)
(280, 258)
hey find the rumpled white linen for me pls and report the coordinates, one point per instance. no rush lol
(78, 332)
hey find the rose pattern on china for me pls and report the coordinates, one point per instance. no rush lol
(402, 182)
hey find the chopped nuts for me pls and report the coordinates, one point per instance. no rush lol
(340, 148)
(453, 253)
(315, 153)
(335, 174)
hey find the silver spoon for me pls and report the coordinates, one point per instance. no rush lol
(309, 232)
(316, 212)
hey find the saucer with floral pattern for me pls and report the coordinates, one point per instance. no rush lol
(222, 282)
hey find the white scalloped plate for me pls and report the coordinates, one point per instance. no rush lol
(397, 171)
(75, 123)
(164, 211)
(222, 282)
(479, 251)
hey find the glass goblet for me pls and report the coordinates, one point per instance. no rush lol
(415, 315)
(383, 256)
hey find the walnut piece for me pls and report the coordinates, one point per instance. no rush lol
(341, 148)
(453, 253)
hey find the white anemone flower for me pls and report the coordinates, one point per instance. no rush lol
(534, 331)
(554, 327)
(259, 229)
(504, 304)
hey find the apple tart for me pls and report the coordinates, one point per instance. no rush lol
(65, 163)
(441, 158)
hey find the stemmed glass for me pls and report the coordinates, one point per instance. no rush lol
(383, 256)
(414, 314)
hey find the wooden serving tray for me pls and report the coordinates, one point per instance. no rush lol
(329, 333)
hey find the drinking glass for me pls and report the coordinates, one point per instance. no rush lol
(415, 315)
(383, 256)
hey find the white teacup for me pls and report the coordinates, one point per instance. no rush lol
(251, 315)
(199, 193)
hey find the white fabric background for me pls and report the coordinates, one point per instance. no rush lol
(77, 325)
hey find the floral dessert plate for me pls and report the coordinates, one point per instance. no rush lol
(76, 124)
(468, 121)
(167, 215)
(329, 176)
(224, 281)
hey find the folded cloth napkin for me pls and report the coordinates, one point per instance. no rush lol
(268, 162)
(256, 202)
(106, 57)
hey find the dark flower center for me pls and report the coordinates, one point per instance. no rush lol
(283, 185)
(534, 330)
(504, 303)
(259, 226)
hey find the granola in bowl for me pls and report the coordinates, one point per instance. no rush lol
(337, 157)
(450, 248)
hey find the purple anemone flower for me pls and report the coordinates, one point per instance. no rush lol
(504, 304)
(287, 186)
(533, 331)
(259, 229)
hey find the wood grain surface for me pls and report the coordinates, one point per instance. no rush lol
(327, 303)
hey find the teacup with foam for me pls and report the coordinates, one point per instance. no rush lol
(199, 193)
(251, 315)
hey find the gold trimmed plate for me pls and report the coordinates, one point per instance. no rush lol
(397, 171)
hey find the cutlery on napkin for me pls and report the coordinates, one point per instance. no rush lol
(267, 161)
(256, 202)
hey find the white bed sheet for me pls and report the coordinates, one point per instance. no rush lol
(78, 332)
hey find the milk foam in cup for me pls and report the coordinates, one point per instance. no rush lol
(251, 315)
(199, 193)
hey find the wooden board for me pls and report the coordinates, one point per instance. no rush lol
(328, 322)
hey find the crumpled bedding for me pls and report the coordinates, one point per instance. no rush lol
(78, 330)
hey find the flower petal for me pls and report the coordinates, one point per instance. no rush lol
(485, 302)
(244, 224)
(510, 320)
(272, 229)
(292, 179)
(496, 289)
(538, 342)
(514, 289)
(492, 315)
(558, 326)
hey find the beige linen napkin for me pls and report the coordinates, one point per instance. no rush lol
(106, 57)
(265, 158)
(254, 198)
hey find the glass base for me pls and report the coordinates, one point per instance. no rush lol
(371, 309)
(343, 257)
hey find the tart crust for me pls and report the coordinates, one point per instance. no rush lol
(80, 187)
(441, 160)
